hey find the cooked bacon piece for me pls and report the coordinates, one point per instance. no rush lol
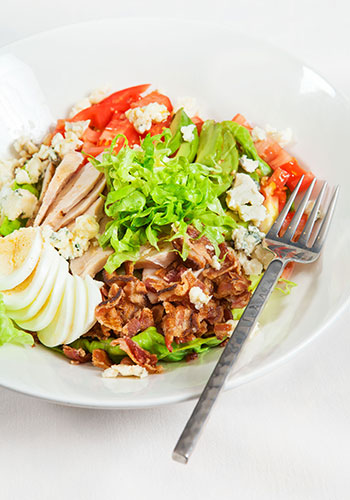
(201, 251)
(136, 292)
(129, 267)
(222, 330)
(76, 355)
(96, 332)
(158, 313)
(191, 357)
(176, 323)
(231, 284)
(100, 359)
(109, 317)
(143, 319)
(138, 355)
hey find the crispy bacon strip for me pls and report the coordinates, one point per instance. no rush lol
(100, 359)
(76, 355)
(138, 355)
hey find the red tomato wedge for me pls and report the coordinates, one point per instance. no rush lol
(288, 270)
(89, 148)
(60, 127)
(91, 135)
(119, 124)
(198, 123)
(275, 186)
(300, 227)
(271, 152)
(100, 114)
(153, 97)
(157, 128)
(241, 120)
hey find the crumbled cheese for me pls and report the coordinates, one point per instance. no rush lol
(143, 117)
(73, 243)
(96, 96)
(125, 371)
(25, 147)
(187, 132)
(79, 106)
(17, 203)
(247, 164)
(246, 239)
(245, 198)
(258, 134)
(99, 94)
(215, 263)
(250, 266)
(77, 127)
(233, 323)
(198, 297)
(137, 147)
(7, 168)
(32, 171)
(282, 137)
(62, 145)
(263, 254)
(189, 105)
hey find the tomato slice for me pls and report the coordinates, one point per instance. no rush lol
(300, 227)
(198, 123)
(91, 135)
(271, 152)
(89, 148)
(279, 177)
(119, 124)
(153, 97)
(288, 270)
(60, 127)
(295, 172)
(100, 114)
(122, 99)
(241, 120)
(157, 128)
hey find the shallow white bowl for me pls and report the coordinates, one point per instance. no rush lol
(227, 73)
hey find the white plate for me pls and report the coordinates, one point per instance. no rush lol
(227, 73)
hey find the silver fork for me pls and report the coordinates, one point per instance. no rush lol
(306, 249)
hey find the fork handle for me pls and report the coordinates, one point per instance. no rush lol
(200, 414)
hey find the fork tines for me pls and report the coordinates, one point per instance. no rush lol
(304, 238)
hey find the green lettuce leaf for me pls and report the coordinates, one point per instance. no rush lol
(9, 334)
(8, 226)
(153, 342)
(152, 196)
(286, 286)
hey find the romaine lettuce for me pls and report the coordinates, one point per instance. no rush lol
(9, 334)
(153, 342)
(153, 197)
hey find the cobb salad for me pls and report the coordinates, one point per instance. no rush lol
(133, 233)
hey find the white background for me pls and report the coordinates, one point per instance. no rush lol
(285, 436)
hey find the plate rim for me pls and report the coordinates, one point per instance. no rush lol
(237, 379)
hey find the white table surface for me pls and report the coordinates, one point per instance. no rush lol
(284, 436)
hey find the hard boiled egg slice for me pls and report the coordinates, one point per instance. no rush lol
(94, 298)
(27, 291)
(19, 255)
(47, 312)
(60, 327)
(80, 311)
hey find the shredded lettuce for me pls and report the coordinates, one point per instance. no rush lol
(153, 197)
(286, 287)
(153, 342)
(9, 334)
(8, 226)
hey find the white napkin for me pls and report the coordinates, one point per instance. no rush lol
(23, 109)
